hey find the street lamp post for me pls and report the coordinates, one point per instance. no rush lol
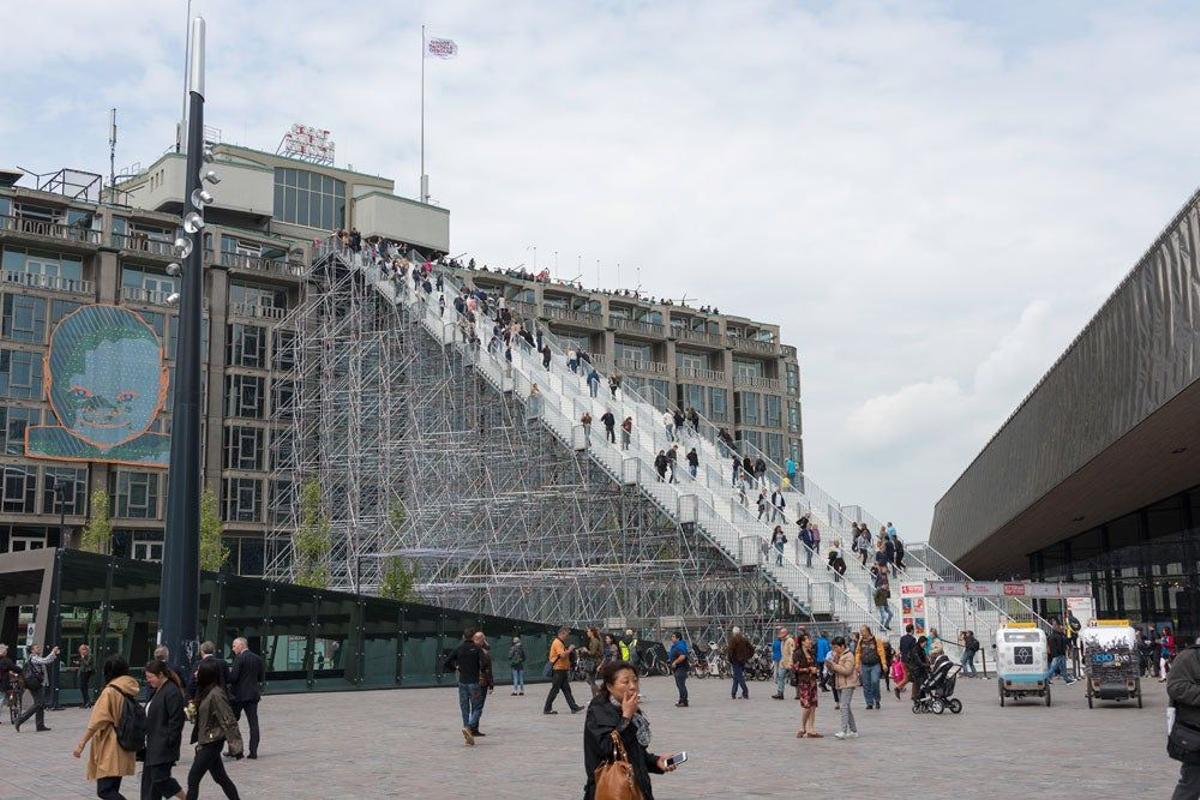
(179, 601)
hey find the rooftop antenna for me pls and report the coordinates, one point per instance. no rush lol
(181, 129)
(112, 150)
(683, 301)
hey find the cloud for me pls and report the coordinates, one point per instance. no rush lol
(930, 199)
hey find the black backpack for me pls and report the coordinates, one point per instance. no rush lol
(32, 676)
(131, 727)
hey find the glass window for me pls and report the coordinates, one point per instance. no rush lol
(20, 490)
(793, 379)
(775, 447)
(64, 491)
(283, 394)
(148, 280)
(793, 417)
(718, 407)
(659, 392)
(60, 308)
(686, 360)
(249, 294)
(50, 265)
(247, 346)
(692, 396)
(283, 350)
(24, 318)
(243, 499)
(13, 422)
(773, 406)
(628, 351)
(147, 545)
(136, 494)
(306, 204)
(748, 369)
(20, 374)
(243, 448)
(244, 396)
(746, 407)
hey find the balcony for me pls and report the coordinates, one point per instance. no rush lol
(136, 294)
(141, 244)
(699, 374)
(33, 280)
(652, 329)
(46, 229)
(647, 367)
(257, 311)
(755, 382)
(587, 318)
(257, 264)
(752, 345)
(521, 309)
(699, 337)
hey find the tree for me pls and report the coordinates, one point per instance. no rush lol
(213, 552)
(97, 534)
(313, 539)
(399, 581)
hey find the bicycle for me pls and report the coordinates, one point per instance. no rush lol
(14, 696)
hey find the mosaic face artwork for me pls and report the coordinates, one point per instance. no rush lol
(106, 381)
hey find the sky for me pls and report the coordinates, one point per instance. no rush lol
(931, 199)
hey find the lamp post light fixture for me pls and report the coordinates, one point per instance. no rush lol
(179, 602)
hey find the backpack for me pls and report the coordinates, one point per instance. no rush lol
(131, 727)
(32, 676)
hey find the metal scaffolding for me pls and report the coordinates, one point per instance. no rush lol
(418, 458)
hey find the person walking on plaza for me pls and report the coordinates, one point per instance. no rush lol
(8, 673)
(108, 762)
(87, 668)
(805, 669)
(595, 653)
(246, 677)
(781, 634)
(610, 423)
(614, 383)
(34, 675)
(487, 680)
(1056, 646)
(593, 381)
(777, 505)
(970, 647)
(846, 680)
(560, 665)
(677, 657)
(615, 710)
(778, 540)
(214, 726)
(871, 659)
(164, 732)
(516, 661)
(822, 653)
(466, 660)
(1183, 692)
(1166, 656)
(693, 460)
(916, 666)
(739, 651)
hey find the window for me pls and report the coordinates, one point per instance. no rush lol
(13, 422)
(147, 545)
(24, 318)
(748, 369)
(773, 408)
(796, 452)
(746, 407)
(136, 494)
(625, 351)
(658, 393)
(64, 491)
(718, 407)
(173, 339)
(794, 417)
(686, 360)
(283, 350)
(20, 490)
(50, 265)
(283, 395)
(753, 438)
(247, 346)
(282, 450)
(309, 198)
(793, 379)
(60, 308)
(27, 539)
(283, 494)
(244, 396)
(148, 280)
(243, 448)
(20, 375)
(243, 499)
(775, 447)
(254, 295)
(246, 555)
(691, 396)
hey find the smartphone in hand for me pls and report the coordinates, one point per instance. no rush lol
(677, 759)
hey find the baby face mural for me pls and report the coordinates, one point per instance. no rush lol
(106, 381)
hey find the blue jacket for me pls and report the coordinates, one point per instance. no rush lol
(678, 649)
(822, 649)
(777, 649)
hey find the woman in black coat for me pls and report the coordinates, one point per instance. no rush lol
(164, 731)
(615, 708)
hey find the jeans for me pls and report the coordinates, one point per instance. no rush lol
(1188, 787)
(885, 611)
(208, 759)
(518, 679)
(848, 714)
(624, 440)
(38, 709)
(593, 387)
(1058, 666)
(808, 553)
(670, 433)
(612, 436)
(109, 789)
(469, 695)
(251, 709)
(739, 680)
(870, 679)
(681, 683)
(560, 683)
(968, 663)
(781, 675)
(693, 468)
(779, 555)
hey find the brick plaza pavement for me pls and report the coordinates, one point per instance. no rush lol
(406, 744)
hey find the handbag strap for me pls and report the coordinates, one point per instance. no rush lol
(619, 751)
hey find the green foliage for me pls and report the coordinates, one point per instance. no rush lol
(399, 581)
(97, 534)
(213, 552)
(398, 515)
(313, 539)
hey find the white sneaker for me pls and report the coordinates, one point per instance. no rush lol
(852, 735)
(839, 735)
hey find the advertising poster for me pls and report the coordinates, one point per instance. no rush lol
(912, 607)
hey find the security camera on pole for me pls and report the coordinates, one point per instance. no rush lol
(179, 602)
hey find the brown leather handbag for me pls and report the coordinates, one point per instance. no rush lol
(614, 779)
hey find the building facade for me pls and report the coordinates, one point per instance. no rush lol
(67, 244)
(1094, 477)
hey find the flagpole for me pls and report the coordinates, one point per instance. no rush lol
(422, 194)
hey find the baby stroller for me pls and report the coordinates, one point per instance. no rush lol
(936, 694)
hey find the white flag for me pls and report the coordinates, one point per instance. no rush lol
(441, 48)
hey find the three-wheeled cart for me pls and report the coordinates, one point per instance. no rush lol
(1111, 667)
(1021, 663)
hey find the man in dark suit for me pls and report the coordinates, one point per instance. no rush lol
(207, 650)
(245, 677)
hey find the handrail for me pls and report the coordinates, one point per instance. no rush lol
(49, 229)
